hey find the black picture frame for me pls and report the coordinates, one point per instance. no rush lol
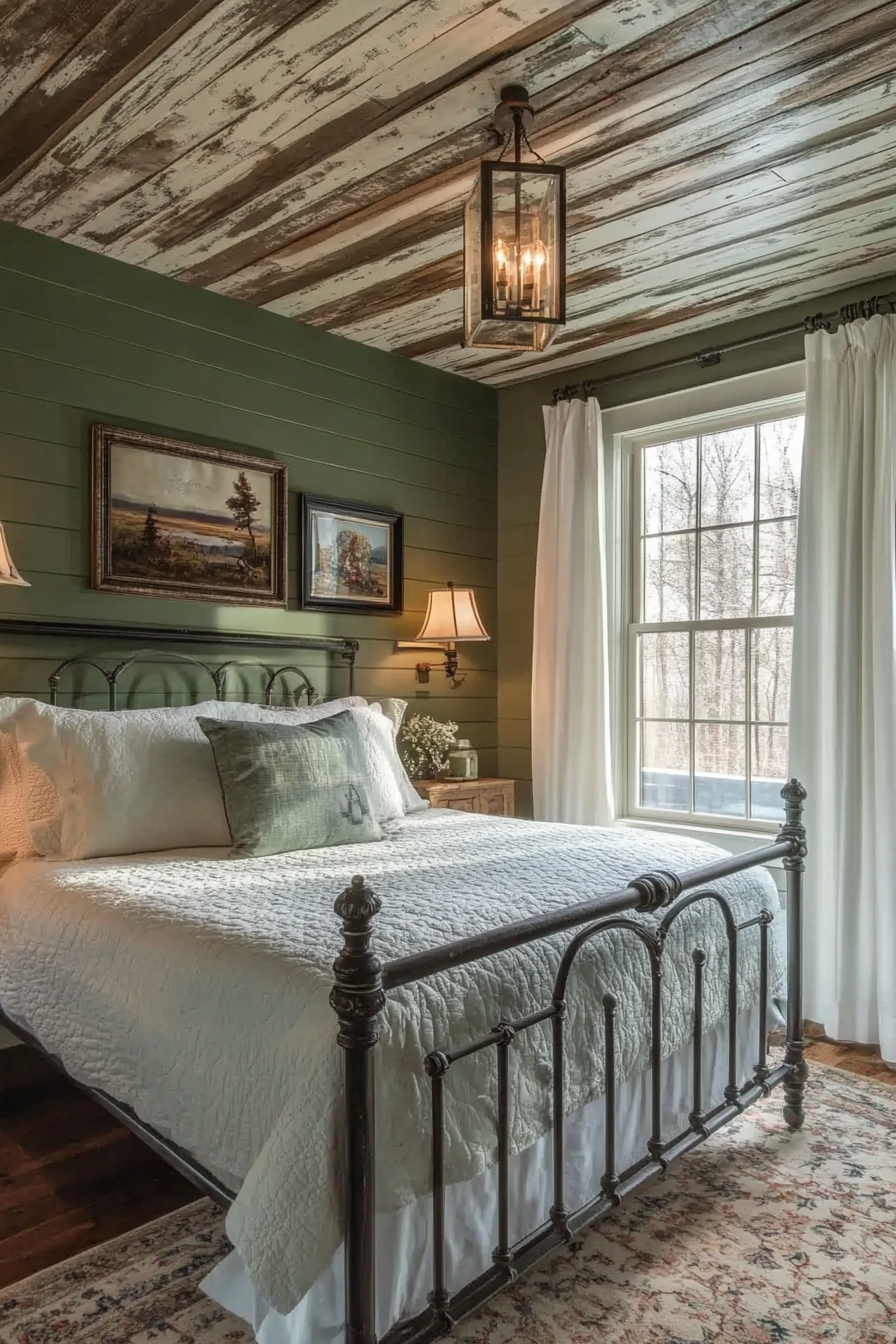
(379, 558)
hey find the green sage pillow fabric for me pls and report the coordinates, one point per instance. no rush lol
(292, 786)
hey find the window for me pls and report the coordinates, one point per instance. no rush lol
(714, 507)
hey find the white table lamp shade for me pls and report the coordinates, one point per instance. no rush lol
(451, 614)
(8, 571)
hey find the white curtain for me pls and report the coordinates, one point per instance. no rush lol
(843, 703)
(571, 771)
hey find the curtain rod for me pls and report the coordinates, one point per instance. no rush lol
(706, 359)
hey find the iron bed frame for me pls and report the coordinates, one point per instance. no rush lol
(358, 997)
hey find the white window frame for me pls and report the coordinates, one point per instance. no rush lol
(631, 446)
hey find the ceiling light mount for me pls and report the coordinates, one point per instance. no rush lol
(514, 108)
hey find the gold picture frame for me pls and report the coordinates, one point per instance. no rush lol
(176, 519)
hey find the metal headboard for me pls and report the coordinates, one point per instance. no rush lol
(218, 675)
(162, 637)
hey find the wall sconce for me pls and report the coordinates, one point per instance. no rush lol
(8, 571)
(451, 615)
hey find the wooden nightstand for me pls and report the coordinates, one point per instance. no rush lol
(494, 797)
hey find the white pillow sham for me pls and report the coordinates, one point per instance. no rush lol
(394, 711)
(381, 764)
(132, 781)
(27, 794)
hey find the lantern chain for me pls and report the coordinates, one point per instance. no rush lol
(517, 117)
(529, 147)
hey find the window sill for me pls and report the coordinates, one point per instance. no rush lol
(736, 842)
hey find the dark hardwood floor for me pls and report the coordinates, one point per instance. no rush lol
(70, 1176)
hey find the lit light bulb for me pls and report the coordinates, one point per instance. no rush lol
(500, 279)
(528, 288)
(539, 262)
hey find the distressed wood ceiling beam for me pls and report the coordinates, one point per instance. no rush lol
(722, 114)
(127, 39)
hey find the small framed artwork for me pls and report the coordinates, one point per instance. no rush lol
(175, 519)
(351, 557)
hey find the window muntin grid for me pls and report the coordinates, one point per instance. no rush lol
(713, 573)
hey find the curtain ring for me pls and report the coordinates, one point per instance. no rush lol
(817, 323)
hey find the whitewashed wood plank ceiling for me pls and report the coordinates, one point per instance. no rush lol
(312, 156)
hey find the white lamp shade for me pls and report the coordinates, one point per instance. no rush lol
(8, 571)
(451, 614)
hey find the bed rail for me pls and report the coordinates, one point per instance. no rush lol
(359, 996)
(649, 892)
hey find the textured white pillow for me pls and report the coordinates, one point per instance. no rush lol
(394, 711)
(378, 745)
(27, 794)
(132, 780)
(128, 780)
(321, 710)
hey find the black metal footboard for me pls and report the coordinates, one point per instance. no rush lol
(359, 996)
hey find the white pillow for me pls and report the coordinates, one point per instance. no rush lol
(131, 781)
(394, 711)
(27, 794)
(380, 758)
(321, 710)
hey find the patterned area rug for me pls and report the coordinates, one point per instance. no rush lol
(759, 1237)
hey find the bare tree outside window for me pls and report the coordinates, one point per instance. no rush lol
(717, 526)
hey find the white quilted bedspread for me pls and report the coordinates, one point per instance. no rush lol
(194, 988)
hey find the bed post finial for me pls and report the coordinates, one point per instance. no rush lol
(358, 999)
(794, 832)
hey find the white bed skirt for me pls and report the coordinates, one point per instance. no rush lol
(404, 1237)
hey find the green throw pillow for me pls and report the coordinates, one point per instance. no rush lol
(291, 786)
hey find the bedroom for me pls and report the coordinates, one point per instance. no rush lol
(231, 238)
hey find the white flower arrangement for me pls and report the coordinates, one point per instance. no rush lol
(426, 744)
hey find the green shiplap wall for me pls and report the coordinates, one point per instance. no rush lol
(85, 339)
(521, 464)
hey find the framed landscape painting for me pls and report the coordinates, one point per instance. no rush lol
(351, 557)
(174, 519)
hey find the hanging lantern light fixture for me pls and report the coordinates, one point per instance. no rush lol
(515, 241)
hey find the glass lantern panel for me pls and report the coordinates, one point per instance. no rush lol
(473, 264)
(524, 283)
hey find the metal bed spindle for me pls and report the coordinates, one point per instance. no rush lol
(439, 1297)
(697, 1118)
(559, 1212)
(732, 1091)
(502, 1255)
(655, 1142)
(760, 1073)
(609, 1181)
